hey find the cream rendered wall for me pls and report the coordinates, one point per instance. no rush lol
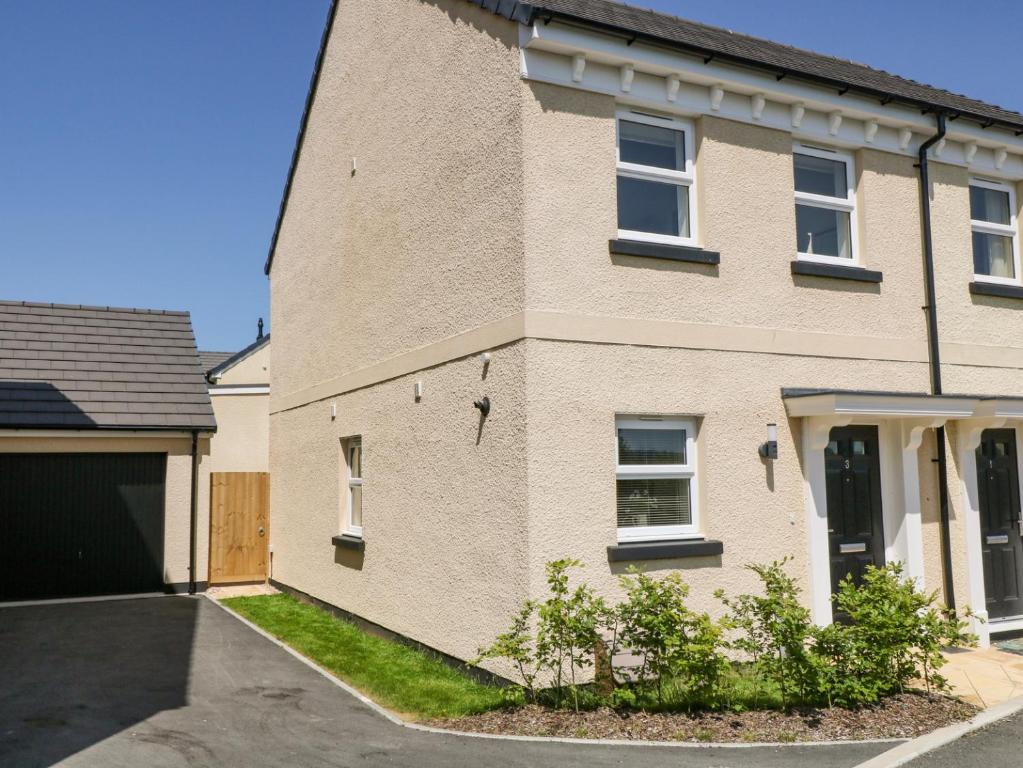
(754, 507)
(177, 510)
(424, 239)
(745, 185)
(979, 320)
(242, 440)
(254, 369)
(444, 502)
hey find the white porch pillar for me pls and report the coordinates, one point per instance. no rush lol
(968, 438)
(816, 434)
(912, 436)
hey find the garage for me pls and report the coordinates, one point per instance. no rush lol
(73, 525)
(105, 425)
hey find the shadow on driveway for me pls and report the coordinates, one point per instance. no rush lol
(75, 674)
(176, 681)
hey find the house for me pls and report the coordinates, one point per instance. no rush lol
(239, 387)
(105, 427)
(576, 279)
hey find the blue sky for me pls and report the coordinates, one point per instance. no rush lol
(144, 145)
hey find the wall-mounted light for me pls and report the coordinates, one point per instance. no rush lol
(417, 391)
(483, 405)
(769, 450)
(485, 358)
(333, 411)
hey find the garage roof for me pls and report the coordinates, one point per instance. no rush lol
(77, 367)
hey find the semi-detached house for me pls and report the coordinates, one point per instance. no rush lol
(576, 279)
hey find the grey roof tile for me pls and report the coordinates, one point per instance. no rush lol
(752, 51)
(98, 367)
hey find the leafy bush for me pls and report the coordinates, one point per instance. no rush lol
(776, 630)
(568, 629)
(890, 634)
(675, 643)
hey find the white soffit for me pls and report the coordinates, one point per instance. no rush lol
(679, 83)
(880, 405)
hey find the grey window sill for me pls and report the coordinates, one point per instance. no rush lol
(661, 550)
(346, 541)
(978, 288)
(836, 271)
(663, 251)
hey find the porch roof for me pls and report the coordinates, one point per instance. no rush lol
(850, 402)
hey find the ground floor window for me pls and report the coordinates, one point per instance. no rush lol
(656, 478)
(352, 513)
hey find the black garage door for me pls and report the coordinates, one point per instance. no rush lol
(81, 524)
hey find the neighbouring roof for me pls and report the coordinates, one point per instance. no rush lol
(725, 45)
(78, 367)
(208, 360)
(237, 357)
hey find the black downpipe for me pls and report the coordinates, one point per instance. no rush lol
(193, 511)
(934, 356)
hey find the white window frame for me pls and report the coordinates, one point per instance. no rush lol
(1005, 230)
(684, 178)
(660, 472)
(846, 204)
(351, 482)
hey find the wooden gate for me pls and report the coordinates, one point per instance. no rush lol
(239, 526)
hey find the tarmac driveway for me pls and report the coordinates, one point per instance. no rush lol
(176, 681)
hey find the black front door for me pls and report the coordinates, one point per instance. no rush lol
(855, 526)
(1000, 530)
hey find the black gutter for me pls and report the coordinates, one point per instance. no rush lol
(310, 95)
(193, 513)
(528, 13)
(934, 356)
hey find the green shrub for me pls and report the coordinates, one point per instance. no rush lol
(517, 646)
(775, 631)
(889, 635)
(675, 643)
(568, 628)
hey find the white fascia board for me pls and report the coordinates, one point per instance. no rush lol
(550, 51)
(228, 389)
(881, 406)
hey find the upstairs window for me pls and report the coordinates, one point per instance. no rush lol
(825, 206)
(655, 179)
(656, 479)
(995, 235)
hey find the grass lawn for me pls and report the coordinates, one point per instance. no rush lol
(394, 675)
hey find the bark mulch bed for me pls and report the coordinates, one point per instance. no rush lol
(899, 717)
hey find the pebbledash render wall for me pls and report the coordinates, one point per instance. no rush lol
(242, 441)
(177, 509)
(478, 218)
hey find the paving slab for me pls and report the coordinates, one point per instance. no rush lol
(177, 681)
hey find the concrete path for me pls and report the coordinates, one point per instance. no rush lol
(984, 677)
(176, 681)
(997, 746)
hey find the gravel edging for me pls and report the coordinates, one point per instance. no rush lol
(905, 716)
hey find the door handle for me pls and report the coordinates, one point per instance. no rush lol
(262, 531)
